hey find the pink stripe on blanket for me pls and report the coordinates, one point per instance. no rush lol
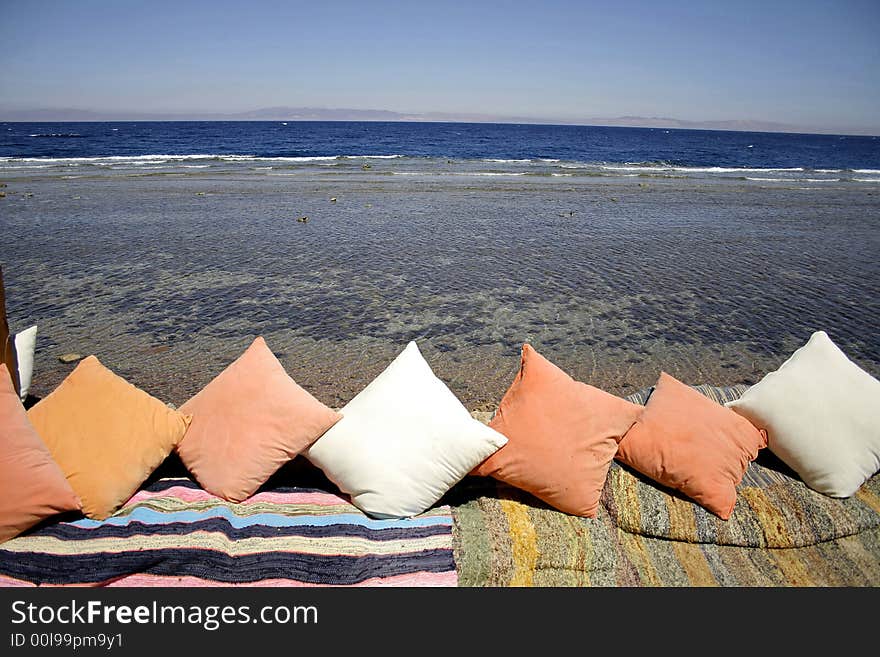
(198, 495)
(11, 581)
(412, 579)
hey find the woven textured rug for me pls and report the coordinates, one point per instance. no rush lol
(172, 533)
(781, 533)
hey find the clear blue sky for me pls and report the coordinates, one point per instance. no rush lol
(810, 62)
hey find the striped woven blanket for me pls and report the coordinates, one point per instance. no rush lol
(781, 533)
(483, 533)
(172, 533)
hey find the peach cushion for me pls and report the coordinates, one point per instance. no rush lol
(689, 443)
(32, 486)
(248, 422)
(562, 436)
(107, 435)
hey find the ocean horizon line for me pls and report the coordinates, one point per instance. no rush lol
(699, 126)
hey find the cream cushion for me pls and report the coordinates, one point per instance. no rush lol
(821, 412)
(25, 345)
(403, 441)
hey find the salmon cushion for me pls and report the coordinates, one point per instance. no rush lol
(107, 435)
(689, 443)
(562, 436)
(32, 486)
(248, 422)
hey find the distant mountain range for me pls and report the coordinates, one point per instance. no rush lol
(324, 114)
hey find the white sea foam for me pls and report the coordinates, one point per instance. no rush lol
(873, 180)
(562, 175)
(370, 157)
(827, 170)
(488, 173)
(165, 158)
(652, 168)
(198, 166)
(866, 170)
(795, 180)
(305, 158)
(519, 160)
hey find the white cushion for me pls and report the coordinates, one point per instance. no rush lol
(403, 441)
(25, 344)
(821, 412)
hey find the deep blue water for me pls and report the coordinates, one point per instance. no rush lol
(273, 139)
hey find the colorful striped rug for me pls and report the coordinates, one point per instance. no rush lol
(781, 533)
(172, 533)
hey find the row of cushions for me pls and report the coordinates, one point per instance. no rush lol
(395, 448)
(818, 413)
(399, 445)
(563, 435)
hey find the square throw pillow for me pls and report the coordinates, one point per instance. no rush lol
(689, 443)
(821, 412)
(561, 436)
(25, 345)
(403, 441)
(106, 435)
(248, 422)
(32, 486)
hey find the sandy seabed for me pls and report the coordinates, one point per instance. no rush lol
(168, 278)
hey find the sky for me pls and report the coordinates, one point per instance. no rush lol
(811, 62)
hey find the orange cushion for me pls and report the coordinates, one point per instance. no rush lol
(562, 436)
(689, 443)
(107, 435)
(32, 486)
(248, 422)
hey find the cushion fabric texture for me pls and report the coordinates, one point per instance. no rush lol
(821, 412)
(689, 443)
(106, 435)
(562, 436)
(32, 486)
(403, 441)
(25, 345)
(249, 421)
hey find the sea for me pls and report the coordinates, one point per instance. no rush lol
(165, 248)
